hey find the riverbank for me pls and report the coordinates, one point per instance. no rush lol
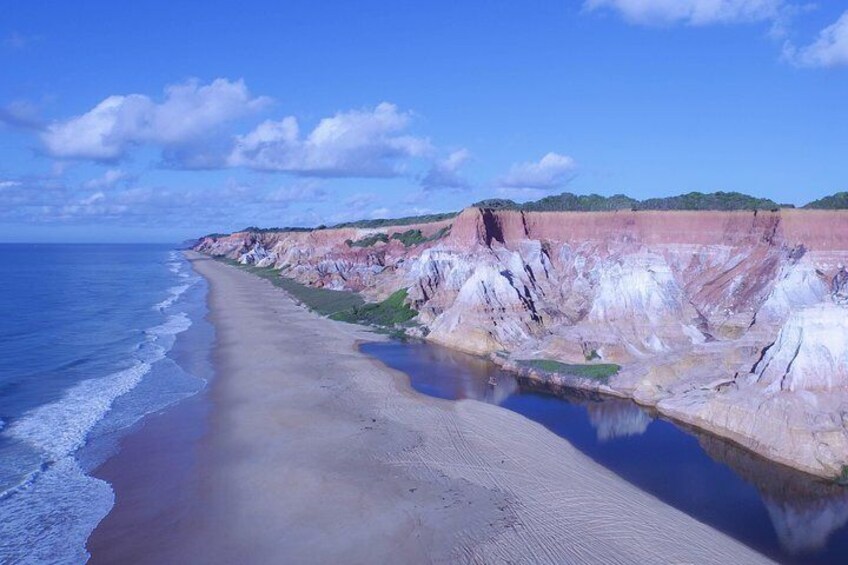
(314, 453)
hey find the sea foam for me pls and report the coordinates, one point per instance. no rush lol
(59, 428)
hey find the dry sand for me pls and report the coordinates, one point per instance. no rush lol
(317, 454)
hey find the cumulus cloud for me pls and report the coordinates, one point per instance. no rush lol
(830, 49)
(445, 172)
(551, 172)
(362, 143)
(692, 12)
(189, 112)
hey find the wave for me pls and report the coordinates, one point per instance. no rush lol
(60, 428)
(59, 489)
(49, 519)
(176, 292)
(52, 505)
(177, 267)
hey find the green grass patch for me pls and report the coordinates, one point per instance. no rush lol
(368, 241)
(410, 237)
(595, 371)
(842, 479)
(322, 300)
(388, 222)
(389, 313)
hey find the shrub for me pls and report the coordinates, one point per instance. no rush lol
(596, 371)
(389, 313)
(368, 241)
(409, 237)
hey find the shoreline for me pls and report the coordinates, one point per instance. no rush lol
(296, 439)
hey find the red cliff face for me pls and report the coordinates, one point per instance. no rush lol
(816, 229)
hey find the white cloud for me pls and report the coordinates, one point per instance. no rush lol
(96, 197)
(829, 50)
(445, 172)
(365, 143)
(692, 12)
(550, 172)
(108, 179)
(9, 184)
(188, 112)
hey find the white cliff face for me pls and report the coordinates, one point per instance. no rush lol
(798, 286)
(492, 308)
(639, 298)
(258, 256)
(810, 353)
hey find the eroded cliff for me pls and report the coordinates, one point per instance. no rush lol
(736, 322)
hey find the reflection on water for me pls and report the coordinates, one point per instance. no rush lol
(804, 512)
(781, 512)
(617, 418)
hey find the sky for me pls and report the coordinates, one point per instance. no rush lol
(161, 121)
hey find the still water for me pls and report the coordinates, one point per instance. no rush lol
(782, 513)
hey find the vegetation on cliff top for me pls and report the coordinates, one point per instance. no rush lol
(838, 201)
(568, 202)
(369, 240)
(564, 202)
(383, 222)
(599, 372)
(409, 238)
(712, 201)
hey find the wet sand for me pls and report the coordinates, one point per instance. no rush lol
(304, 450)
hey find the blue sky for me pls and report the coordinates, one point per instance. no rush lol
(159, 121)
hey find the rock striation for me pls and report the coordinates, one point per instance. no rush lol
(735, 322)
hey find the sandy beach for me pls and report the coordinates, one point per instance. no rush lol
(314, 453)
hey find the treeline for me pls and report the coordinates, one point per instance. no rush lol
(383, 222)
(568, 202)
(838, 201)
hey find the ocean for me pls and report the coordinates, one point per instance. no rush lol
(86, 333)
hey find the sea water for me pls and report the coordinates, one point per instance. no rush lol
(85, 335)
